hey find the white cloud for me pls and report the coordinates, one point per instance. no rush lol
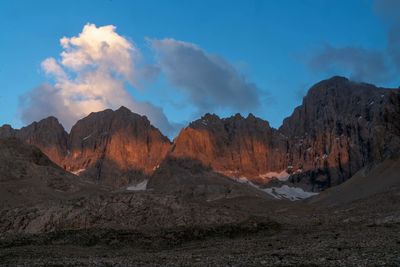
(51, 67)
(90, 76)
(100, 47)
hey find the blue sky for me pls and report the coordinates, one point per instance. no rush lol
(270, 43)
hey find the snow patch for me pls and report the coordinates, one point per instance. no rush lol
(77, 172)
(85, 138)
(156, 167)
(286, 192)
(244, 180)
(283, 192)
(138, 187)
(228, 173)
(281, 176)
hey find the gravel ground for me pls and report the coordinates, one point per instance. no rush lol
(361, 233)
(315, 244)
(358, 246)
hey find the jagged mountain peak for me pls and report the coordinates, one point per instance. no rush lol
(211, 120)
(238, 116)
(115, 147)
(124, 111)
(335, 79)
(49, 122)
(251, 116)
(109, 121)
(7, 131)
(337, 99)
(338, 86)
(205, 120)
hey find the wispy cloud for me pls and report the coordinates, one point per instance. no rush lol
(358, 63)
(90, 75)
(389, 10)
(377, 66)
(209, 81)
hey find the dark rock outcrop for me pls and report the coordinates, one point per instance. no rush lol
(190, 179)
(27, 176)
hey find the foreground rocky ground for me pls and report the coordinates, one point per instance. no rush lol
(363, 233)
(357, 246)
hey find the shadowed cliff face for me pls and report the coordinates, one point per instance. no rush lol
(28, 176)
(340, 127)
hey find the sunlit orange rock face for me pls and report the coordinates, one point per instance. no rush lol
(109, 147)
(235, 146)
(115, 147)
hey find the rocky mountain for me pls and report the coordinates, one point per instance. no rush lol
(234, 146)
(340, 127)
(48, 135)
(110, 147)
(115, 147)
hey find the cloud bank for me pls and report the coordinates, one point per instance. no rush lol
(358, 63)
(389, 10)
(364, 64)
(91, 75)
(210, 82)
